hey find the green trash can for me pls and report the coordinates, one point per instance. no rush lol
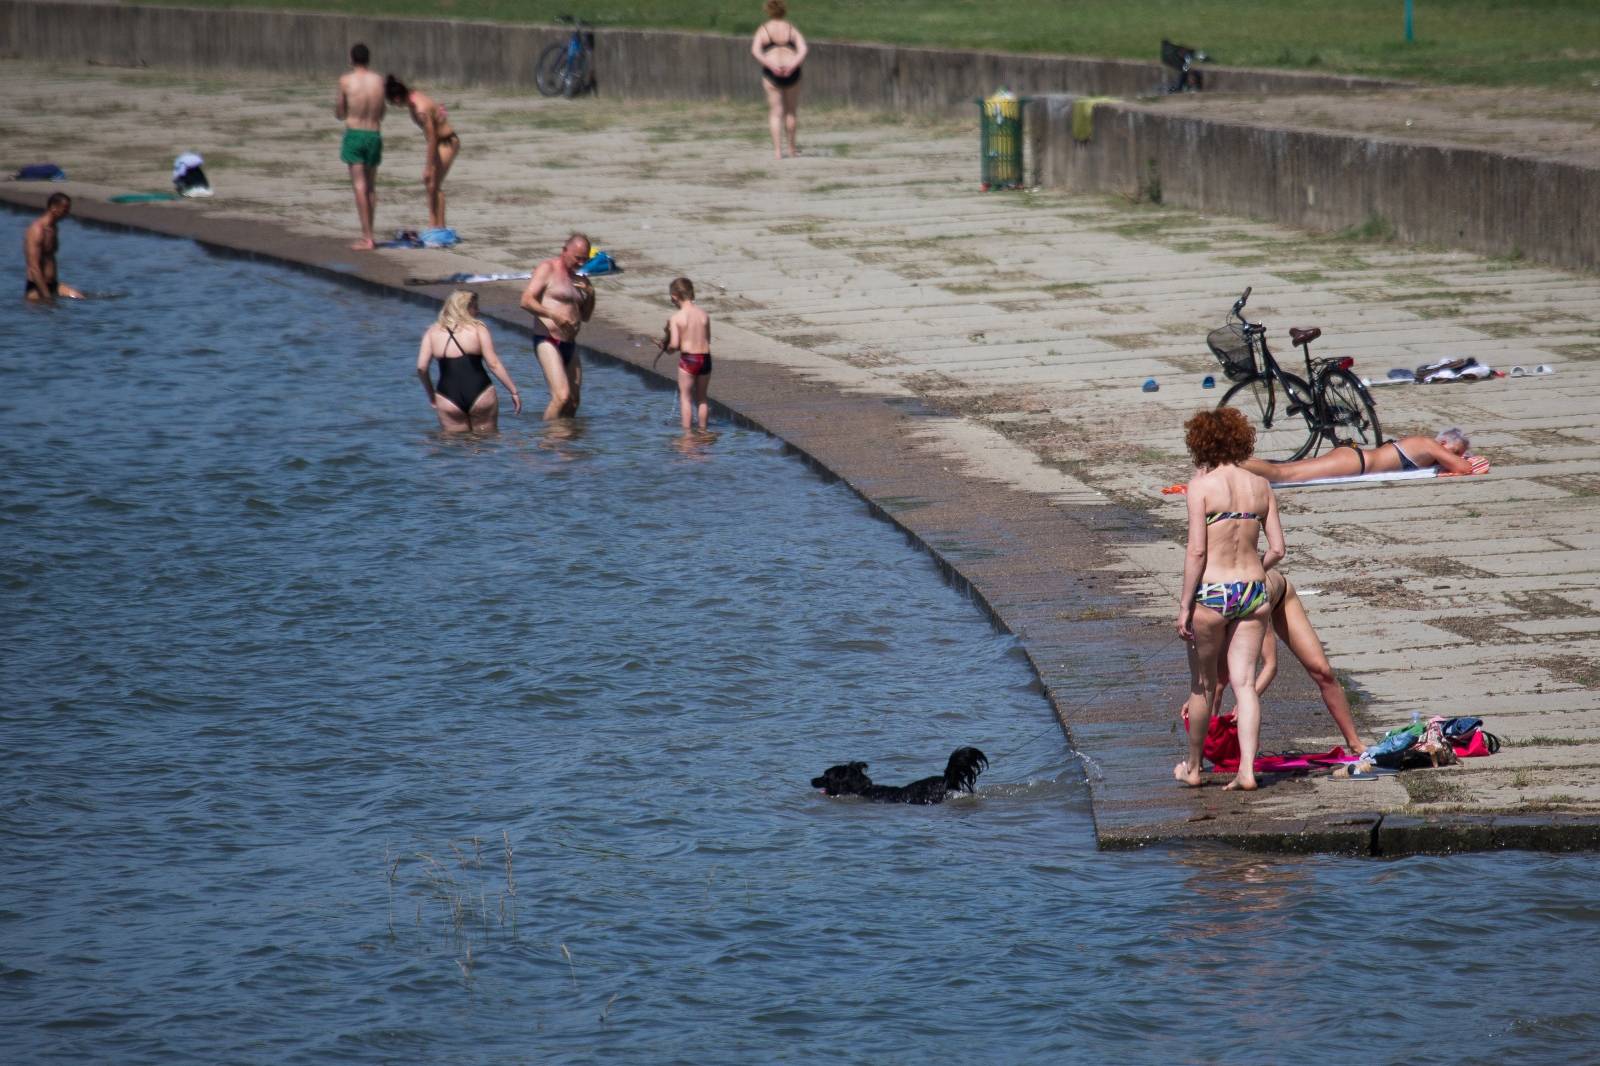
(1000, 140)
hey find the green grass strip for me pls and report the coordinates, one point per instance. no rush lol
(1548, 43)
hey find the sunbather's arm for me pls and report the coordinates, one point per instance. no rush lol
(1274, 526)
(1448, 461)
(1194, 561)
(33, 256)
(491, 359)
(801, 49)
(430, 134)
(424, 361)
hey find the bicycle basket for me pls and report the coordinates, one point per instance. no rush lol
(1234, 350)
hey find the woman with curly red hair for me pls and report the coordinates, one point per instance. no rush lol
(1223, 609)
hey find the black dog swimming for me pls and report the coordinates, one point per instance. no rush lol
(960, 775)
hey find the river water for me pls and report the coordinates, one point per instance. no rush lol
(327, 738)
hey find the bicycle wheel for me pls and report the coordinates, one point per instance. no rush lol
(579, 70)
(549, 72)
(1280, 409)
(1348, 413)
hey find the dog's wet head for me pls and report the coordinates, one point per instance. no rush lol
(847, 779)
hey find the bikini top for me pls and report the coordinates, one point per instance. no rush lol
(771, 44)
(1223, 516)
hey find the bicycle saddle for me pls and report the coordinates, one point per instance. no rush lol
(1301, 337)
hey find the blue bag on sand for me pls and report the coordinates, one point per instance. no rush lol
(40, 172)
(443, 237)
(599, 263)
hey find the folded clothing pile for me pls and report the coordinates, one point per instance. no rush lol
(1467, 369)
(1435, 741)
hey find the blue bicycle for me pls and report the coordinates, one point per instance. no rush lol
(567, 68)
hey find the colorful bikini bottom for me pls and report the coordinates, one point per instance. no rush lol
(1232, 599)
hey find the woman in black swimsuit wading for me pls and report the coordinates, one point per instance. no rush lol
(464, 398)
(780, 49)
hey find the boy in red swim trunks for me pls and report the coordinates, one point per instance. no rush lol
(689, 334)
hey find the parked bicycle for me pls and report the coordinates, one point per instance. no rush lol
(1294, 416)
(566, 68)
(1188, 78)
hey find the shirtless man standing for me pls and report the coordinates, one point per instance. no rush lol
(360, 104)
(39, 245)
(562, 302)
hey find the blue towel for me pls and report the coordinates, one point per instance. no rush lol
(444, 237)
(40, 172)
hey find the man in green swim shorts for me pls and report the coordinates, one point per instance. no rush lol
(361, 148)
(360, 104)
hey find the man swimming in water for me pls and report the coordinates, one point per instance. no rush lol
(360, 104)
(39, 246)
(562, 302)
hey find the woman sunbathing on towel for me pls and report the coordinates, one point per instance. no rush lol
(1408, 453)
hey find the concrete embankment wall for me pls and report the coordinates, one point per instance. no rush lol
(637, 64)
(1460, 197)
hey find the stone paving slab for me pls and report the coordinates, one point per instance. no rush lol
(1008, 334)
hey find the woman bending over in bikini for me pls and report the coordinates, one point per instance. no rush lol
(443, 142)
(1291, 625)
(1222, 608)
(1408, 453)
(464, 399)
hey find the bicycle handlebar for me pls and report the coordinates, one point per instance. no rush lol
(1238, 306)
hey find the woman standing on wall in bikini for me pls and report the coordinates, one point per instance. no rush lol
(443, 142)
(780, 49)
(1223, 609)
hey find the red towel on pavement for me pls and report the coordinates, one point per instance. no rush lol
(1221, 750)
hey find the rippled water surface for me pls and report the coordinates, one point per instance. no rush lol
(286, 674)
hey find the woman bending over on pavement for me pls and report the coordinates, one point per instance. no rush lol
(780, 49)
(1408, 453)
(443, 142)
(1293, 627)
(464, 399)
(1222, 607)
